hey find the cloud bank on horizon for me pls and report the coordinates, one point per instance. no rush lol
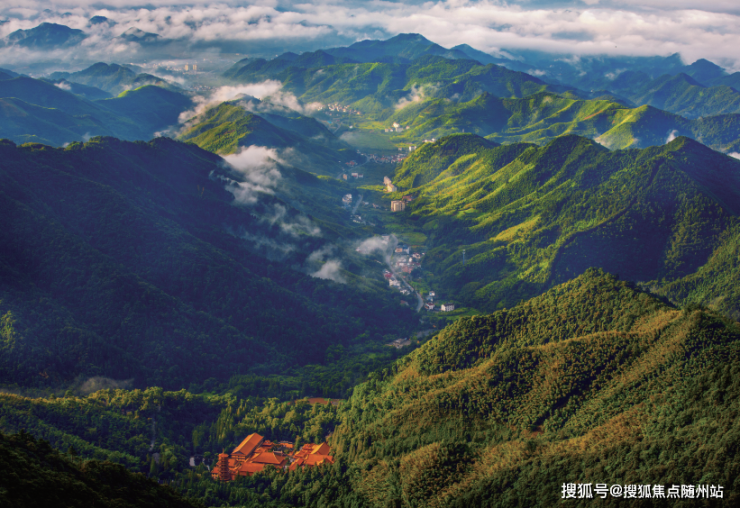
(694, 28)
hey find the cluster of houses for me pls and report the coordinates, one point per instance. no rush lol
(353, 175)
(429, 304)
(396, 128)
(408, 264)
(400, 204)
(339, 108)
(255, 453)
(384, 159)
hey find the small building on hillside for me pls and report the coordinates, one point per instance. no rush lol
(429, 306)
(446, 307)
(398, 206)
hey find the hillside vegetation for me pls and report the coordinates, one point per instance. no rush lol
(592, 382)
(37, 475)
(131, 260)
(541, 117)
(35, 110)
(530, 217)
(229, 127)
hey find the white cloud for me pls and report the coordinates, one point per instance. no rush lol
(228, 93)
(734, 155)
(697, 29)
(331, 270)
(671, 136)
(258, 166)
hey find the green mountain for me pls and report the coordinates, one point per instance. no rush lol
(592, 382)
(530, 217)
(48, 113)
(229, 126)
(540, 117)
(401, 48)
(112, 78)
(683, 95)
(153, 107)
(376, 88)
(38, 475)
(716, 284)
(131, 261)
(18, 120)
(253, 67)
(86, 92)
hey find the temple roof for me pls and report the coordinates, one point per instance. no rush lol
(247, 446)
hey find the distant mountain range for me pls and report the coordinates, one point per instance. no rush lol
(61, 111)
(46, 36)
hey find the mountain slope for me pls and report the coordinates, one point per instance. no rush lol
(46, 36)
(540, 117)
(683, 95)
(38, 475)
(592, 382)
(228, 127)
(153, 107)
(25, 122)
(137, 114)
(401, 48)
(375, 88)
(112, 78)
(130, 260)
(545, 215)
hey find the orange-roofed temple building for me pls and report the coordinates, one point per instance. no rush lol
(254, 453)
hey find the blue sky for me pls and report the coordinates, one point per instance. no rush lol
(695, 29)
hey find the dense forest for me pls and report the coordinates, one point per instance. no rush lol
(530, 217)
(127, 260)
(590, 378)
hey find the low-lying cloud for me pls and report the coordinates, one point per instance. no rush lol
(258, 165)
(229, 93)
(330, 266)
(671, 136)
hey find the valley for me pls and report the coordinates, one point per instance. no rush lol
(389, 273)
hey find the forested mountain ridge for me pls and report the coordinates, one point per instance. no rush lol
(540, 117)
(533, 216)
(585, 380)
(35, 110)
(128, 260)
(230, 126)
(375, 87)
(112, 78)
